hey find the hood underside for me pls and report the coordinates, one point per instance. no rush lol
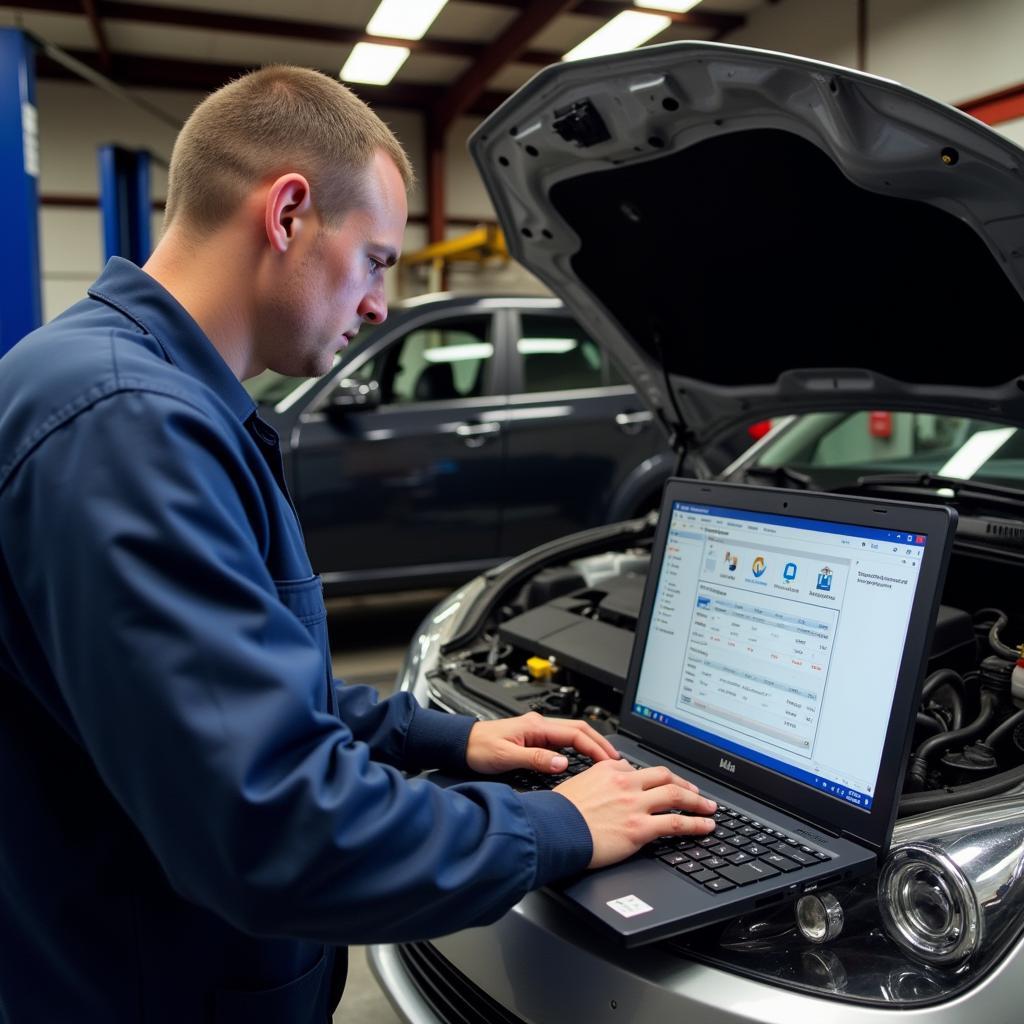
(741, 218)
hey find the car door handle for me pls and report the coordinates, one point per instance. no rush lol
(633, 422)
(477, 434)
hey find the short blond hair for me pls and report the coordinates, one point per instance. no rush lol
(269, 122)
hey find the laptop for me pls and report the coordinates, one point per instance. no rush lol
(779, 654)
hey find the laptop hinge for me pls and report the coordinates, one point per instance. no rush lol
(816, 826)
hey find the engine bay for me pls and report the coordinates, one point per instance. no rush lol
(560, 644)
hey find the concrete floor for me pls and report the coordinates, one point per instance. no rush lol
(369, 637)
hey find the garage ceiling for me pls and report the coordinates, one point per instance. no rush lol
(474, 54)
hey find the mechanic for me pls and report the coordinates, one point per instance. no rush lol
(197, 817)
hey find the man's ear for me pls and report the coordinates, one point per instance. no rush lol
(288, 206)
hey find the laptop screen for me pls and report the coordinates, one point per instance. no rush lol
(779, 639)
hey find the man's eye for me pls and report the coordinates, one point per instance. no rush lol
(375, 267)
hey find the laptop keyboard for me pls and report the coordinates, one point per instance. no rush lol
(741, 851)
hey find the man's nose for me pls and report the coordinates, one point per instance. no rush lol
(374, 307)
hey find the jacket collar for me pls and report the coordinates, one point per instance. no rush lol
(148, 304)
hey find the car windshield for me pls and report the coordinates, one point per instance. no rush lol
(835, 449)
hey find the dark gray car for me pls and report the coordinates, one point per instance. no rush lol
(460, 432)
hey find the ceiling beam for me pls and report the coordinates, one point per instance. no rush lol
(460, 96)
(98, 35)
(607, 9)
(997, 107)
(145, 71)
(286, 28)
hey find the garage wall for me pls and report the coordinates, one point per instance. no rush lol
(954, 50)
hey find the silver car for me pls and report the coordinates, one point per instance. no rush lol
(759, 236)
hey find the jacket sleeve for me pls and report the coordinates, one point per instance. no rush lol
(195, 692)
(400, 732)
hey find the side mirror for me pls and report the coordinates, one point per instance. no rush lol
(353, 396)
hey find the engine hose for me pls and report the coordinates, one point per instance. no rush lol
(918, 803)
(1010, 653)
(1004, 728)
(927, 722)
(918, 771)
(947, 677)
(943, 677)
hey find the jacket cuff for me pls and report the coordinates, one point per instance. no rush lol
(564, 844)
(436, 739)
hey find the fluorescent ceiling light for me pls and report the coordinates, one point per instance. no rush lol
(404, 19)
(459, 353)
(677, 6)
(539, 346)
(373, 63)
(976, 451)
(624, 32)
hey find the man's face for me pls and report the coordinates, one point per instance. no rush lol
(334, 281)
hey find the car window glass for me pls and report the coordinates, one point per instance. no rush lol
(615, 375)
(868, 437)
(440, 362)
(900, 442)
(558, 355)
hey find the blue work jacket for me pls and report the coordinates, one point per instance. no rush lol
(195, 817)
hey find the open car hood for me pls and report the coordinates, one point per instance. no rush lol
(769, 234)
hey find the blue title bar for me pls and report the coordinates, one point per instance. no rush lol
(817, 525)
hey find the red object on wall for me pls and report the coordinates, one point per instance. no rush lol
(759, 429)
(880, 424)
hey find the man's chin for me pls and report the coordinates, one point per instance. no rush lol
(317, 367)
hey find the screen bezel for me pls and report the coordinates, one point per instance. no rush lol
(871, 827)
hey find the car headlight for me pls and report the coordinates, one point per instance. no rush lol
(441, 623)
(928, 906)
(953, 885)
(944, 909)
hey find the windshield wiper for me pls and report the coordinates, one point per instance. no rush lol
(781, 476)
(964, 491)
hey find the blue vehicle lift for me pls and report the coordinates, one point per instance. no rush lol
(21, 307)
(124, 202)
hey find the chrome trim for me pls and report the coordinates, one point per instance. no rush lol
(633, 422)
(394, 980)
(597, 391)
(832, 912)
(751, 454)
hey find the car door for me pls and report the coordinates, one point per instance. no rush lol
(576, 434)
(407, 489)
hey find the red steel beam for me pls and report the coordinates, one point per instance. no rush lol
(89, 7)
(997, 107)
(862, 35)
(459, 97)
(435, 179)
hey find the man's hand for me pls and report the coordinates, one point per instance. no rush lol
(527, 742)
(620, 806)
